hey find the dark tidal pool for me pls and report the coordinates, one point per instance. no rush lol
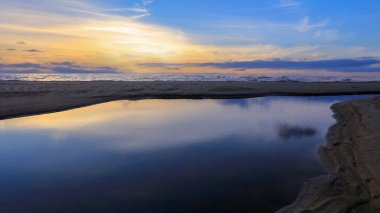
(249, 155)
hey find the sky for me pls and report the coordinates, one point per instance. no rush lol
(182, 36)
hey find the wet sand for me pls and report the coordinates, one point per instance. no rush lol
(18, 98)
(352, 157)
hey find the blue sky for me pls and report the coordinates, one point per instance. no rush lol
(252, 21)
(128, 35)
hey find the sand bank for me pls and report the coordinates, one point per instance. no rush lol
(18, 98)
(352, 157)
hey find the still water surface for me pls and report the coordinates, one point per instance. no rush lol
(249, 155)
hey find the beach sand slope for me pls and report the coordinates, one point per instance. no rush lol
(352, 157)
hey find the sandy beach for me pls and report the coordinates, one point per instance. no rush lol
(18, 98)
(351, 157)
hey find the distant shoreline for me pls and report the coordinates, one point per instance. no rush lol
(22, 98)
(210, 76)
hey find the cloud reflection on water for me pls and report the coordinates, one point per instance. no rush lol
(166, 155)
(153, 124)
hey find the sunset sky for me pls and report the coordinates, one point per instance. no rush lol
(182, 36)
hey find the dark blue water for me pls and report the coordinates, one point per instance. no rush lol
(249, 155)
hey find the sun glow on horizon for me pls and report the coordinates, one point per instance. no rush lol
(95, 37)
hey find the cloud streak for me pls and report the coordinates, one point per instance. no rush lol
(341, 65)
(289, 4)
(72, 68)
(305, 25)
(32, 51)
(54, 68)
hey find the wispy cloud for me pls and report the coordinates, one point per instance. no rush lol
(290, 4)
(320, 30)
(21, 68)
(71, 67)
(327, 34)
(23, 65)
(144, 3)
(54, 67)
(341, 65)
(65, 63)
(19, 71)
(69, 70)
(305, 25)
(139, 10)
(32, 51)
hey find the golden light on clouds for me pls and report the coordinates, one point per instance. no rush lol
(111, 41)
(80, 32)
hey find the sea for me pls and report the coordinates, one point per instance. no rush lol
(191, 77)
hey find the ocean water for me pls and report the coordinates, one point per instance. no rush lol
(192, 77)
(245, 155)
